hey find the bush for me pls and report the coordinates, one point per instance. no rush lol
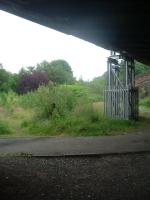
(4, 128)
(97, 86)
(28, 100)
(84, 120)
(55, 101)
(9, 99)
(145, 102)
(30, 82)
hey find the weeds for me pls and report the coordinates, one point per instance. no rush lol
(58, 110)
(145, 102)
(4, 128)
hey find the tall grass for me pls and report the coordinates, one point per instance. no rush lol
(9, 99)
(54, 101)
(58, 110)
(84, 120)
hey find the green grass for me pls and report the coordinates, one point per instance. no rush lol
(83, 127)
(89, 123)
(86, 120)
(11, 120)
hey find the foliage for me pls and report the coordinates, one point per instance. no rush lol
(83, 121)
(30, 82)
(4, 79)
(8, 81)
(62, 107)
(4, 128)
(9, 99)
(97, 86)
(28, 70)
(13, 81)
(31, 77)
(59, 110)
(145, 102)
(54, 100)
(59, 71)
(141, 68)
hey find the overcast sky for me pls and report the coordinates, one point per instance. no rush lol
(24, 43)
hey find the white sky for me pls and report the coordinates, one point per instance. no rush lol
(24, 43)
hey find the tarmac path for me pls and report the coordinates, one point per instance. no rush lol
(63, 146)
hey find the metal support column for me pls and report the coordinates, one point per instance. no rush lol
(120, 95)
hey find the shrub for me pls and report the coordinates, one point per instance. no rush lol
(145, 102)
(9, 99)
(30, 82)
(54, 101)
(4, 128)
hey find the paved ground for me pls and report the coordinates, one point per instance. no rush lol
(56, 146)
(116, 177)
(100, 176)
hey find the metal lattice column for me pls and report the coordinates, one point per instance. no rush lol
(120, 95)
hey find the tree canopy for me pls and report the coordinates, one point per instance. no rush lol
(31, 82)
(59, 71)
(31, 77)
(8, 80)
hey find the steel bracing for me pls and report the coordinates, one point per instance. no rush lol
(120, 95)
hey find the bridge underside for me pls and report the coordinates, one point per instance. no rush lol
(119, 26)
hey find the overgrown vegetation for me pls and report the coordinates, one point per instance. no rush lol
(4, 128)
(58, 110)
(144, 92)
(145, 102)
(52, 102)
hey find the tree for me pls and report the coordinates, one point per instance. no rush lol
(59, 71)
(4, 79)
(141, 68)
(13, 80)
(30, 82)
(27, 70)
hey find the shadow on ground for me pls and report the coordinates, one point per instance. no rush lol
(115, 177)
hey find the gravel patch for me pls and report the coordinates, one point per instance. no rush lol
(105, 177)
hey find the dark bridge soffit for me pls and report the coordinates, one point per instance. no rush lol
(116, 25)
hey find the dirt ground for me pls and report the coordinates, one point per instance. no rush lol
(116, 177)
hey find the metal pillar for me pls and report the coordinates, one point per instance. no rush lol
(120, 95)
